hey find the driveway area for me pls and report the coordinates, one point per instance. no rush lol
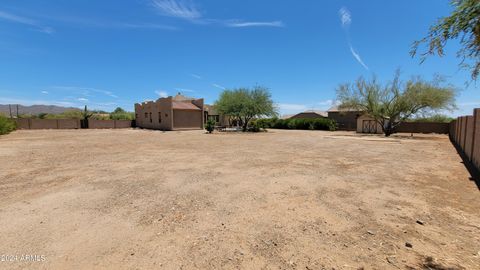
(140, 199)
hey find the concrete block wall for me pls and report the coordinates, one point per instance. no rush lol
(465, 134)
(29, 123)
(109, 124)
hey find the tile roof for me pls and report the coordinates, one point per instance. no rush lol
(179, 105)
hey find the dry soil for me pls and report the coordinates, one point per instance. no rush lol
(139, 199)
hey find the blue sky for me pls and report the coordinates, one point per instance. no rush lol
(114, 53)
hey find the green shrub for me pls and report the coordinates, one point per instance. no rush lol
(6, 125)
(256, 125)
(210, 126)
(122, 116)
(305, 124)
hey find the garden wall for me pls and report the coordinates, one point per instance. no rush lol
(24, 123)
(465, 134)
(423, 127)
(47, 123)
(108, 124)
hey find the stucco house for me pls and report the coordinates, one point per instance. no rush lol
(346, 118)
(211, 113)
(170, 113)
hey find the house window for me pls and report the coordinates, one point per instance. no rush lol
(146, 115)
(150, 117)
(166, 115)
(159, 117)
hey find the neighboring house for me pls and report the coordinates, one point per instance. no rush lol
(309, 115)
(346, 118)
(171, 113)
(211, 113)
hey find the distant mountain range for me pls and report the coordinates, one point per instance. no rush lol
(34, 109)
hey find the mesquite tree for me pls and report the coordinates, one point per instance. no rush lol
(393, 103)
(244, 104)
(462, 24)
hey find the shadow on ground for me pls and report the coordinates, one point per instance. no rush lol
(474, 172)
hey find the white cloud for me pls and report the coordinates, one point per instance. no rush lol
(218, 86)
(26, 21)
(346, 19)
(185, 90)
(177, 8)
(161, 93)
(196, 76)
(45, 92)
(28, 102)
(82, 99)
(85, 91)
(256, 24)
(327, 102)
(358, 58)
(345, 16)
(187, 10)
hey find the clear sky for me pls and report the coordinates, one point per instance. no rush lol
(114, 53)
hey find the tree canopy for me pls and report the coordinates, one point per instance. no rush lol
(463, 23)
(395, 102)
(244, 104)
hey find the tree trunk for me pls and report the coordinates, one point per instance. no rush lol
(389, 129)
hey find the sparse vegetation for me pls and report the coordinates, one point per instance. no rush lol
(121, 114)
(463, 24)
(245, 104)
(437, 118)
(305, 124)
(7, 125)
(210, 125)
(395, 102)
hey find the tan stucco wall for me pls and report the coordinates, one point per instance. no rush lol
(187, 119)
(148, 115)
(463, 126)
(469, 132)
(162, 108)
(106, 124)
(69, 123)
(476, 144)
(47, 123)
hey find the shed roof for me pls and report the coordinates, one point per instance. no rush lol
(179, 105)
(337, 109)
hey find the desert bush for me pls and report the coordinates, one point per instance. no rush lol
(7, 125)
(210, 126)
(122, 116)
(305, 124)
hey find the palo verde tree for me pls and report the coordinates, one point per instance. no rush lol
(397, 101)
(462, 24)
(244, 104)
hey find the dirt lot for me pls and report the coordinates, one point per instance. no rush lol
(138, 199)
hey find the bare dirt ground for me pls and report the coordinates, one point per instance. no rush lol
(139, 199)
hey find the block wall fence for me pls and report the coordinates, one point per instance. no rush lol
(465, 134)
(28, 123)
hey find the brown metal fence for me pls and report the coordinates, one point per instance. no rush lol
(465, 134)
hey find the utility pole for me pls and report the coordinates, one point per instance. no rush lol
(17, 111)
(10, 109)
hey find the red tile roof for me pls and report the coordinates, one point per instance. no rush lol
(178, 105)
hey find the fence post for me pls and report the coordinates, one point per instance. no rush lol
(476, 117)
